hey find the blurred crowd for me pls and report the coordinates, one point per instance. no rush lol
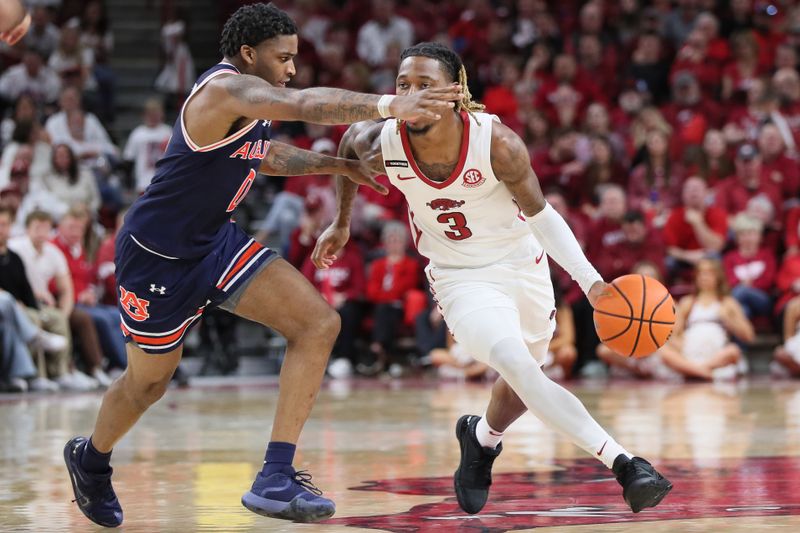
(665, 132)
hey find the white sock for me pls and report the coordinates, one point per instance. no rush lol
(487, 436)
(609, 451)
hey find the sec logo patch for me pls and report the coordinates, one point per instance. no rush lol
(473, 178)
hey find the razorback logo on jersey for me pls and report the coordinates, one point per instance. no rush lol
(445, 204)
(251, 150)
(135, 307)
(473, 178)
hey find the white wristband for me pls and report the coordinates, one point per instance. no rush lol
(383, 105)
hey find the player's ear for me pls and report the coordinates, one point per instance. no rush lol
(248, 54)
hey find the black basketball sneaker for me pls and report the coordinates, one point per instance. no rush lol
(642, 485)
(474, 475)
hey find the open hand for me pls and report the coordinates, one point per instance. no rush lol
(359, 172)
(428, 104)
(331, 241)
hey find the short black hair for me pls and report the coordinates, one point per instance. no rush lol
(252, 25)
(450, 61)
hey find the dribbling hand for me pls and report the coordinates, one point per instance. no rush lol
(427, 104)
(599, 290)
(331, 241)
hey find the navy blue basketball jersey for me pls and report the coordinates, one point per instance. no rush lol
(185, 211)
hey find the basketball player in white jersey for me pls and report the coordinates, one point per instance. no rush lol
(478, 214)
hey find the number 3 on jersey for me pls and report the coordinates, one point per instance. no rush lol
(457, 223)
(242, 192)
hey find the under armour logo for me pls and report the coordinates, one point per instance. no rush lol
(160, 290)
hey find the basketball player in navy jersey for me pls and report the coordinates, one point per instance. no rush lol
(477, 212)
(178, 254)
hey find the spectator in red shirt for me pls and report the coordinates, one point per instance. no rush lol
(105, 265)
(500, 98)
(603, 169)
(786, 83)
(718, 49)
(559, 166)
(711, 162)
(739, 73)
(639, 244)
(303, 238)
(106, 319)
(565, 98)
(342, 286)
(689, 113)
(599, 66)
(578, 224)
(606, 231)
(733, 193)
(693, 57)
(598, 123)
(695, 229)
(750, 269)
(788, 281)
(780, 169)
(390, 278)
(785, 57)
(654, 185)
(792, 234)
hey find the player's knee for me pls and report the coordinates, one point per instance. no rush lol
(145, 392)
(329, 325)
(511, 358)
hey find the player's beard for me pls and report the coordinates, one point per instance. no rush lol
(418, 130)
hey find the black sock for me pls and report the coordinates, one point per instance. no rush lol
(93, 461)
(279, 455)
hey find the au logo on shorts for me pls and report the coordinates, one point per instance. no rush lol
(135, 307)
(473, 178)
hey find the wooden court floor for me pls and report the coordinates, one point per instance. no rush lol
(385, 452)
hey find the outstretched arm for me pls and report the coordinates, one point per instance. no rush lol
(511, 165)
(252, 97)
(361, 141)
(286, 160)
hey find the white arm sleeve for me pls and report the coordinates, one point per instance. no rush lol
(559, 242)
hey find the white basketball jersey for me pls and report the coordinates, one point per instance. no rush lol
(470, 219)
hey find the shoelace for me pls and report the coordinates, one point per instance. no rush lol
(303, 478)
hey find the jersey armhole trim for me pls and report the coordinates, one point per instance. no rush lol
(227, 140)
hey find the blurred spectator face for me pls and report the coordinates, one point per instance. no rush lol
(70, 100)
(591, 18)
(509, 73)
(564, 146)
(597, 120)
(40, 18)
(745, 47)
(72, 228)
(601, 152)
(708, 25)
(631, 102)
(273, 59)
(395, 239)
(761, 208)
(749, 239)
(70, 37)
(742, 8)
(694, 193)
(686, 90)
(5, 227)
(785, 57)
(656, 144)
(382, 11)
(590, 51)
(25, 109)
(556, 200)
(714, 144)
(635, 231)
(787, 82)
(770, 142)
(33, 63)
(707, 277)
(748, 169)
(62, 158)
(564, 68)
(649, 49)
(629, 7)
(93, 12)
(612, 203)
(153, 113)
(698, 43)
(39, 231)
(538, 127)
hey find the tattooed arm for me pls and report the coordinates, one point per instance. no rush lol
(362, 140)
(286, 160)
(252, 97)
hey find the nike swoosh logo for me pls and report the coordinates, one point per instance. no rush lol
(538, 259)
(603, 447)
(406, 177)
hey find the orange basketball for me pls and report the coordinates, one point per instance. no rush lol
(637, 319)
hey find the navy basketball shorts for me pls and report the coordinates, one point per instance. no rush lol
(161, 298)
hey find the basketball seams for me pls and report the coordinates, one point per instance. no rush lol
(650, 327)
(641, 318)
(614, 315)
(630, 317)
